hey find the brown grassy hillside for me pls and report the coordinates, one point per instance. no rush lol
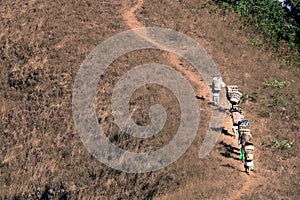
(42, 45)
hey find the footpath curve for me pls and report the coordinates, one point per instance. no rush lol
(250, 182)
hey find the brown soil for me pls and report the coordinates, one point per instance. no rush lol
(42, 45)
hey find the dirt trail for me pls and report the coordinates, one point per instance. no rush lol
(195, 79)
(129, 15)
(252, 181)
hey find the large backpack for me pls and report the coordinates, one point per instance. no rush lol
(246, 136)
(236, 108)
(217, 84)
(249, 148)
(237, 117)
(235, 97)
(244, 124)
(231, 89)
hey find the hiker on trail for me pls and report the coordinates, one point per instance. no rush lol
(245, 137)
(229, 90)
(233, 95)
(217, 86)
(247, 157)
(237, 115)
(244, 132)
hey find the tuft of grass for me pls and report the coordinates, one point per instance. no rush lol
(276, 84)
(204, 5)
(252, 97)
(264, 114)
(275, 143)
(196, 10)
(280, 100)
(254, 43)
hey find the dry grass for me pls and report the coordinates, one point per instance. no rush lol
(41, 48)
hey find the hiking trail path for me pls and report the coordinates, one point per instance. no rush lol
(250, 181)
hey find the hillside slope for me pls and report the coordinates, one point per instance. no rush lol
(42, 48)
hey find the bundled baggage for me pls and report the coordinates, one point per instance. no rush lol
(230, 89)
(233, 95)
(236, 108)
(237, 117)
(217, 84)
(247, 157)
(244, 124)
(241, 127)
(244, 132)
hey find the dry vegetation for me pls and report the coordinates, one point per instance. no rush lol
(42, 45)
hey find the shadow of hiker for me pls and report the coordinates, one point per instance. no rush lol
(229, 147)
(225, 132)
(228, 150)
(228, 166)
(217, 129)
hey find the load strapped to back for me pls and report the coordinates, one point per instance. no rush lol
(236, 108)
(244, 131)
(218, 84)
(244, 124)
(249, 149)
(237, 114)
(230, 89)
(236, 118)
(233, 94)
